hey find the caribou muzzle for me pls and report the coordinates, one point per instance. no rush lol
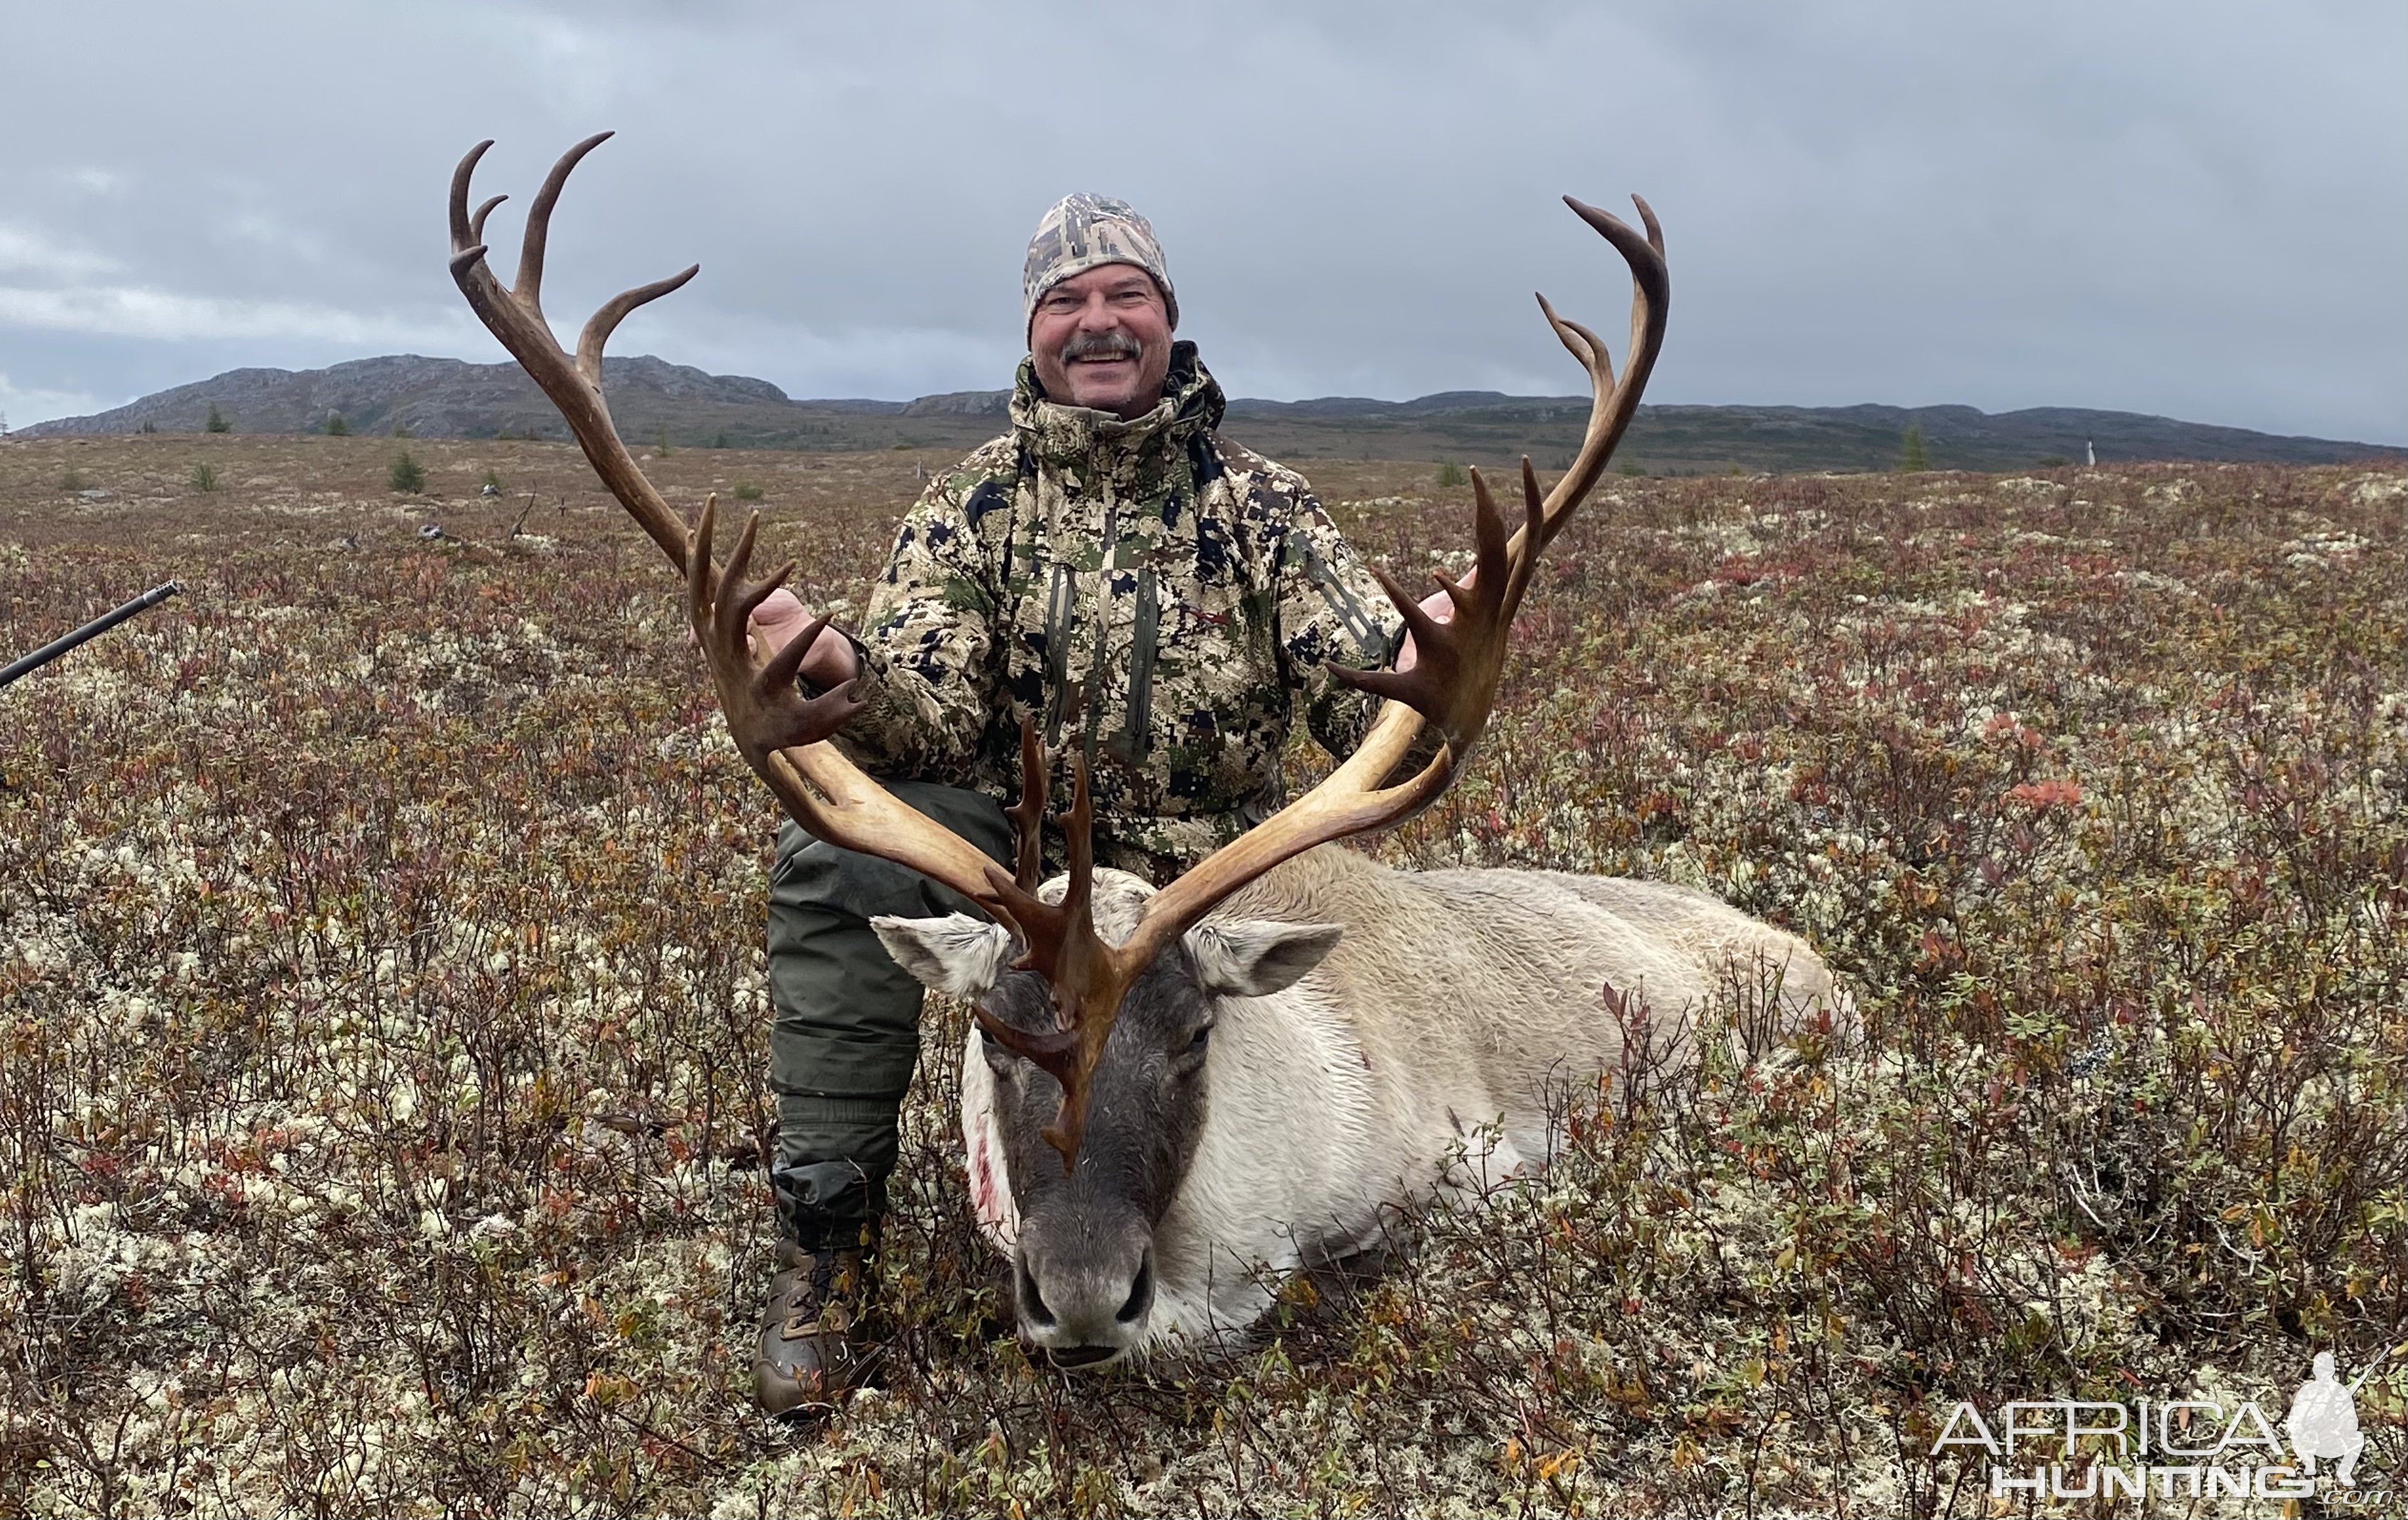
(1084, 1295)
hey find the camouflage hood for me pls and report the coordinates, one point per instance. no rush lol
(1141, 458)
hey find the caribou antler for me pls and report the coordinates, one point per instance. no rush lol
(779, 732)
(516, 317)
(1452, 686)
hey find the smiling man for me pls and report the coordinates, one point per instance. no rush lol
(1153, 594)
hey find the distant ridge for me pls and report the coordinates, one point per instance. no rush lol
(677, 404)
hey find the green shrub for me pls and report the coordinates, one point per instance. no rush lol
(336, 427)
(720, 441)
(1451, 473)
(401, 430)
(148, 427)
(494, 479)
(71, 482)
(217, 422)
(747, 491)
(203, 478)
(1912, 455)
(406, 477)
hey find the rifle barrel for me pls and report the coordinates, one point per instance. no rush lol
(94, 629)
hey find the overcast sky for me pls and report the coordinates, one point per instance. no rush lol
(2185, 207)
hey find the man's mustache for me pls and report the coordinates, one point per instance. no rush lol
(1100, 346)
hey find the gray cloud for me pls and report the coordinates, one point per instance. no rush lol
(2190, 208)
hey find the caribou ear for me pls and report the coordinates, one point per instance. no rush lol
(956, 954)
(1250, 959)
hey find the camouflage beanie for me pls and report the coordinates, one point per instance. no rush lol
(1082, 232)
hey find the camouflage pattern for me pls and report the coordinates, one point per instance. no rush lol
(1182, 595)
(1082, 232)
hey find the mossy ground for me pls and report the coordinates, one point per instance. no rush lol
(381, 1012)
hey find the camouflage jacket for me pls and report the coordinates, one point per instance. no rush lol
(1178, 594)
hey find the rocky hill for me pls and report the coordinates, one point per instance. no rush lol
(657, 401)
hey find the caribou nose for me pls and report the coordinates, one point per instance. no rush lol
(1032, 1298)
(1089, 1308)
(1133, 1309)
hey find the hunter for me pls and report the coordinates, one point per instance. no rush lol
(1147, 589)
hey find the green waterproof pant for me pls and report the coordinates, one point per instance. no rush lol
(847, 1035)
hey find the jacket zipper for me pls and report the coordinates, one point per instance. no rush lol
(1136, 739)
(1092, 719)
(1061, 597)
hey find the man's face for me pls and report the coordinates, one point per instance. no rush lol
(1101, 339)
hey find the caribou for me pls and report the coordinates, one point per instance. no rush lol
(1176, 1092)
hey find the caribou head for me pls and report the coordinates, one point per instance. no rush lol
(1096, 996)
(1084, 1274)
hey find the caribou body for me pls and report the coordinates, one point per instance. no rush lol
(1337, 1039)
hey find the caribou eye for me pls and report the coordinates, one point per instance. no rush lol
(1203, 1038)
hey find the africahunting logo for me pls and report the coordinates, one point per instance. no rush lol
(2174, 1448)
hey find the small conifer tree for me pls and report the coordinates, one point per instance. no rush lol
(1451, 473)
(406, 477)
(217, 422)
(336, 427)
(1912, 455)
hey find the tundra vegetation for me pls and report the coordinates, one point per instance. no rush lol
(382, 1012)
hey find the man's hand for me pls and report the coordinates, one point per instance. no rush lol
(1436, 604)
(782, 617)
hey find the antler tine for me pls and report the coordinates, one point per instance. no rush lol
(527, 289)
(701, 574)
(599, 326)
(477, 219)
(1533, 531)
(736, 597)
(1583, 345)
(1079, 845)
(463, 231)
(1615, 401)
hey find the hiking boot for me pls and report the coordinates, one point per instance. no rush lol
(815, 1347)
